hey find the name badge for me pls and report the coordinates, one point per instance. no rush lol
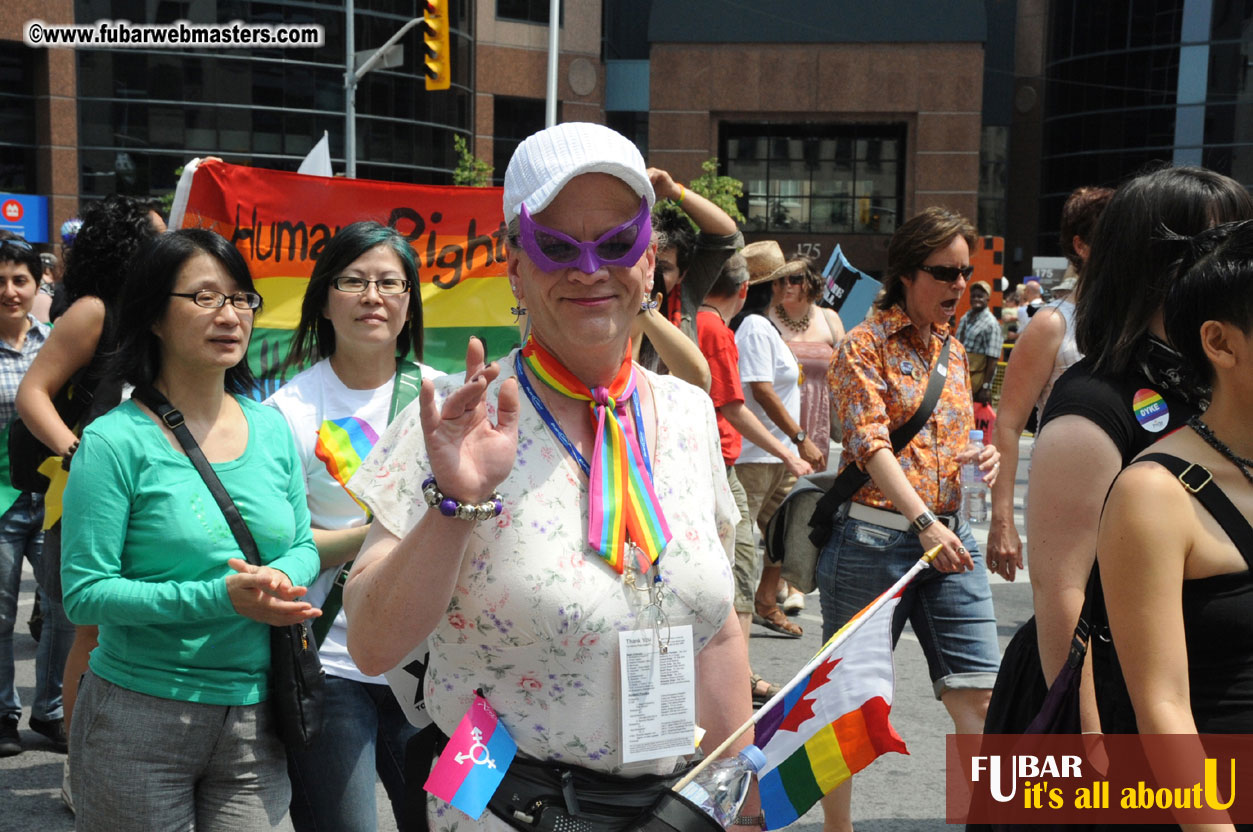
(658, 692)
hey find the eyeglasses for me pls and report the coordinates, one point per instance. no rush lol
(20, 245)
(794, 279)
(947, 274)
(553, 251)
(210, 299)
(357, 285)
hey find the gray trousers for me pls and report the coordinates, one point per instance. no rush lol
(140, 763)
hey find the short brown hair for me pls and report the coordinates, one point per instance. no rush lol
(914, 241)
(1079, 215)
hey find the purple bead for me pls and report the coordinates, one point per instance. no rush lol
(498, 507)
(430, 480)
(448, 507)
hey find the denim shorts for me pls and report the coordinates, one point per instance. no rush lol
(951, 612)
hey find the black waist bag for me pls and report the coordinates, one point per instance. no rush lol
(538, 796)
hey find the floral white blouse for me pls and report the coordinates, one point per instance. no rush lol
(534, 617)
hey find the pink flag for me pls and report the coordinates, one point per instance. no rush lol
(469, 771)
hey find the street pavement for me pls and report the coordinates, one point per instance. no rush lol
(896, 793)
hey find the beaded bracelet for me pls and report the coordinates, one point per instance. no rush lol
(455, 508)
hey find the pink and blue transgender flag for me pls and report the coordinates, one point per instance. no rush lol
(469, 771)
(834, 722)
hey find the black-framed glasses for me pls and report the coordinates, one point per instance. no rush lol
(795, 279)
(210, 299)
(385, 285)
(20, 245)
(947, 274)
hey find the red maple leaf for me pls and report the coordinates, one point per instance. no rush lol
(804, 708)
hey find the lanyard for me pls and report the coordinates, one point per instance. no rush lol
(560, 433)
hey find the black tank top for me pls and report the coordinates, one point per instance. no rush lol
(1218, 623)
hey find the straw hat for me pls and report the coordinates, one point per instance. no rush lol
(766, 262)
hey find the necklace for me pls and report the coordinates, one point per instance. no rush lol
(1203, 430)
(790, 323)
(714, 308)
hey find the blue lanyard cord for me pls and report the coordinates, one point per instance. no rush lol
(557, 430)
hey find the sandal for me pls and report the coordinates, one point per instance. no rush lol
(772, 618)
(760, 697)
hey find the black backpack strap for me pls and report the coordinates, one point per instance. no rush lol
(1199, 482)
(173, 420)
(852, 478)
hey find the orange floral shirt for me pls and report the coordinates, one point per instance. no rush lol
(878, 377)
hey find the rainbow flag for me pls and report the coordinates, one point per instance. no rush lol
(474, 762)
(834, 721)
(342, 445)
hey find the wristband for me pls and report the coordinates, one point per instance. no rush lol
(682, 193)
(758, 820)
(455, 508)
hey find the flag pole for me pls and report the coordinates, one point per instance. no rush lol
(923, 563)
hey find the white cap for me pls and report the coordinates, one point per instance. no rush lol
(547, 160)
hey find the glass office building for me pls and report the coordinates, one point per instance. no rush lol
(1144, 82)
(144, 112)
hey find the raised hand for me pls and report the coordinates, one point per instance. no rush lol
(469, 455)
(663, 185)
(267, 595)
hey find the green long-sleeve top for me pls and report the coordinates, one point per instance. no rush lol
(144, 550)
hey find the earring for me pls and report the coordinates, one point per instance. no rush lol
(648, 305)
(518, 311)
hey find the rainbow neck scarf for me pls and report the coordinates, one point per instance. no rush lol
(623, 503)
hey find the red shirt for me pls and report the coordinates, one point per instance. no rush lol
(717, 343)
(985, 420)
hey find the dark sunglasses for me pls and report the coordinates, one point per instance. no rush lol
(947, 274)
(794, 279)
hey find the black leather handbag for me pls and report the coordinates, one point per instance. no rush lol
(297, 680)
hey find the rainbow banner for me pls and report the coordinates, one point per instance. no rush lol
(833, 721)
(282, 221)
(474, 762)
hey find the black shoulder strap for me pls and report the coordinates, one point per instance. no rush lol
(1199, 482)
(852, 478)
(173, 420)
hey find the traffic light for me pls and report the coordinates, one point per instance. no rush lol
(435, 37)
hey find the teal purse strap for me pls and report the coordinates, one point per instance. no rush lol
(405, 388)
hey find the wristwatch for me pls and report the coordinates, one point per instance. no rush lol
(800, 437)
(922, 521)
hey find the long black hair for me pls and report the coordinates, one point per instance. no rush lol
(315, 335)
(1134, 259)
(146, 297)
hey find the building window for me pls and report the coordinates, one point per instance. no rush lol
(817, 178)
(515, 119)
(528, 11)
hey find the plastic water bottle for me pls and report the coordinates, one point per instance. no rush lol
(974, 489)
(721, 788)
